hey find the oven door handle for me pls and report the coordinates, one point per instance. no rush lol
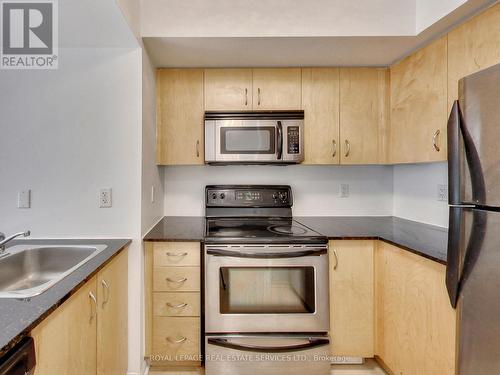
(289, 254)
(311, 343)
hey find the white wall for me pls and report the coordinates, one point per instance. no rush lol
(62, 137)
(415, 193)
(283, 18)
(429, 12)
(315, 188)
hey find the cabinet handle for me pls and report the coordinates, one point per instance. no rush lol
(246, 96)
(348, 148)
(169, 254)
(258, 96)
(334, 148)
(336, 259)
(174, 341)
(105, 292)
(179, 281)
(179, 306)
(93, 313)
(197, 148)
(434, 140)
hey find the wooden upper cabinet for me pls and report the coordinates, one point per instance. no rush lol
(277, 89)
(364, 94)
(352, 298)
(320, 102)
(419, 109)
(472, 47)
(112, 332)
(228, 89)
(65, 342)
(180, 111)
(415, 323)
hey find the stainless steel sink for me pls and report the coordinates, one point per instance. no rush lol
(29, 270)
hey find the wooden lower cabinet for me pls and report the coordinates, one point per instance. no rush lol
(112, 317)
(352, 298)
(172, 278)
(87, 334)
(65, 342)
(415, 324)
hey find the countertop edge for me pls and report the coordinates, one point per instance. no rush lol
(26, 331)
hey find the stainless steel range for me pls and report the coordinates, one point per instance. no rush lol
(266, 285)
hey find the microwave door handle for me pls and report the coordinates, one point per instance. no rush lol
(262, 255)
(311, 343)
(280, 140)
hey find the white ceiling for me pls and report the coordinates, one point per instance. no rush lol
(237, 33)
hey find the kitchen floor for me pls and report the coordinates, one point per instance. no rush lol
(369, 368)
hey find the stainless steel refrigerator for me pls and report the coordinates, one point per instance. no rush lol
(473, 270)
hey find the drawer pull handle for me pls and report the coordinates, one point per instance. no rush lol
(184, 279)
(434, 140)
(176, 254)
(179, 306)
(174, 341)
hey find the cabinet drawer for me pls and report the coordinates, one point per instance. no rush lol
(167, 330)
(172, 304)
(171, 279)
(176, 254)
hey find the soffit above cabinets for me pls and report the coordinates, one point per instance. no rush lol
(242, 33)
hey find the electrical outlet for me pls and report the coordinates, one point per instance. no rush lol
(344, 190)
(105, 198)
(442, 193)
(24, 199)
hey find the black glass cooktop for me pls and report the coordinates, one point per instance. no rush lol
(260, 230)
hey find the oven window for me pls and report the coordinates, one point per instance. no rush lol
(267, 290)
(247, 140)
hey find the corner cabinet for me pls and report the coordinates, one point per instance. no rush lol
(352, 298)
(473, 46)
(419, 110)
(180, 111)
(87, 334)
(415, 327)
(173, 300)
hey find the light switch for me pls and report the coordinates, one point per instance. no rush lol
(24, 199)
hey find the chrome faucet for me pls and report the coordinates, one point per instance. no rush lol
(4, 241)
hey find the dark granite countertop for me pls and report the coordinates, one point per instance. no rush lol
(19, 316)
(178, 228)
(426, 240)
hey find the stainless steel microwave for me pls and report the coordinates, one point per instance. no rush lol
(275, 137)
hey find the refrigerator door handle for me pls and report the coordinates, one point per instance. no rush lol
(454, 155)
(453, 261)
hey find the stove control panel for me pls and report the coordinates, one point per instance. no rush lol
(248, 196)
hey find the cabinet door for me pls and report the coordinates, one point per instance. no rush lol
(320, 102)
(473, 46)
(278, 89)
(419, 105)
(228, 89)
(352, 298)
(65, 342)
(363, 115)
(415, 326)
(112, 323)
(180, 117)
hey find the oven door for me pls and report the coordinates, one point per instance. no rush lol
(267, 288)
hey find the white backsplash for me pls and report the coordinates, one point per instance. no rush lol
(315, 188)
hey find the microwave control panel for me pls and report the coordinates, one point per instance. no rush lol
(293, 140)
